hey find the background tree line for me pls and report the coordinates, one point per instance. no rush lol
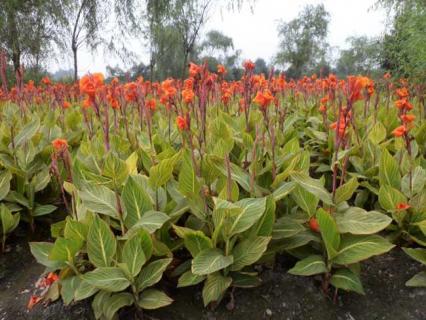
(35, 32)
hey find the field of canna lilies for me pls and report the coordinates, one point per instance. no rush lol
(147, 188)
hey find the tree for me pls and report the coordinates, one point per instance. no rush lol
(404, 47)
(361, 57)
(216, 44)
(188, 18)
(27, 28)
(303, 40)
(261, 67)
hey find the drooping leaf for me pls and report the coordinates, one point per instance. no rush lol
(209, 261)
(309, 266)
(214, 287)
(248, 252)
(110, 279)
(357, 248)
(154, 299)
(358, 221)
(347, 280)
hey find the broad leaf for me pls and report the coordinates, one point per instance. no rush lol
(357, 248)
(209, 261)
(153, 299)
(101, 243)
(107, 278)
(358, 221)
(309, 266)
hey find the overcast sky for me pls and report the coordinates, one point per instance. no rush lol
(255, 31)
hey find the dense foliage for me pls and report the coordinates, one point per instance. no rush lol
(197, 181)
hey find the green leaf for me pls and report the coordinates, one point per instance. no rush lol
(75, 230)
(41, 179)
(189, 279)
(41, 251)
(8, 221)
(115, 168)
(154, 299)
(84, 290)
(265, 224)
(188, 183)
(307, 201)
(151, 221)
(68, 287)
(101, 243)
(98, 303)
(313, 186)
(283, 190)
(197, 241)
(419, 280)
(345, 192)
(151, 273)
(133, 255)
(418, 254)
(347, 280)
(162, 172)
(115, 302)
(110, 279)
(418, 181)
(41, 210)
(5, 178)
(357, 248)
(215, 287)
(245, 280)
(27, 132)
(100, 199)
(329, 232)
(358, 221)
(377, 133)
(209, 261)
(64, 250)
(309, 266)
(390, 197)
(136, 202)
(286, 227)
(248, 252)
(253, 209)
(389, 170)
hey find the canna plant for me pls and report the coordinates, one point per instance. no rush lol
(8, 223)
(223, 255)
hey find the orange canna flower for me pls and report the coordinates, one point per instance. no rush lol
(403, 206)
(221, 69)
(46, 81)
(263, 99)
(188, 96)
(89, 83)
(248, 65)
(181, 123)
(151, 104)
(402, 93)
(194, 70)
(66, 105)
(400, 131)
(59, 144)
(408, 118)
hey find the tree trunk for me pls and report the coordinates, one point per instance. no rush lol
(74, 52)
